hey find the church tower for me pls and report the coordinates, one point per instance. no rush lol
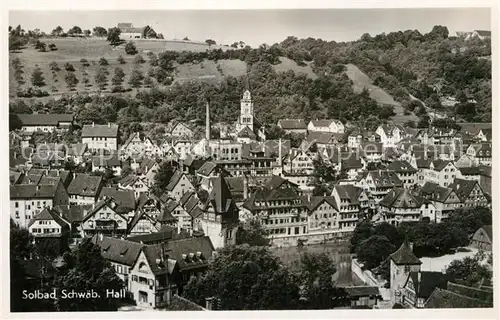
(246, 111)
(403, 261)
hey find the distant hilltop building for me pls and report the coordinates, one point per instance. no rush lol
(481, 34)
(128, 31)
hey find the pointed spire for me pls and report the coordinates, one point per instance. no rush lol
(207, 120)
(247, 84)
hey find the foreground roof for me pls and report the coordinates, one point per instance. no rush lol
(404, 255)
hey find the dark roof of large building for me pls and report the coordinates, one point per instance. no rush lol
(401, 198)
(436, 192)
(441, 298)
(100, 130)
(292, 124)
(350, 192)
(33, 191)
(73, 213)
(463, 187)
(128, 180)
(404, 255)
(85, 185)
(473, 128)
(362, 291)
(471, 292)
(385, 178)
(125, 199)
(429, 280)
(400, 166)
(176, 177)
(118, 250)
(38, 119)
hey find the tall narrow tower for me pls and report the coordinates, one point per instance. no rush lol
(207, 121)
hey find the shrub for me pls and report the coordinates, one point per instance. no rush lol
(54, 67)
(52, 47)
(120, 60)
(139, 59)
(69, 67)
(130, 48)
(103, 62)
(84, 62)
(30, 92)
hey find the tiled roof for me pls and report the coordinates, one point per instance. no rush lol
(73, 213)
(48, 214)
(118, 250)
(85, 185)
(292, 124)
(436, 192)
(138, 216)
(128, 180)
(385, 178)
(315, 201)
(470, 171)
(463, 187)
(400, 198)
(439, 164)
(429, 280)
(400, 166)
(38, 119)
(441, 298)
(207, 168)
(100, 130)
(404, 255)
(176, 177)
(106, 161)
(471, 292)
(362, 291)
(246, 133)
(349, 192)
(220, 197)
(489, 231)
(474, 127)
(32, 191)
(125, 199)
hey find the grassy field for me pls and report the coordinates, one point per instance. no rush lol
(72, 50)
(361, 81)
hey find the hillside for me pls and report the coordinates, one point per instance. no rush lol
(361, 81)
(72, 50)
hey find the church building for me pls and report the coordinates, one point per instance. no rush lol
(247, 119)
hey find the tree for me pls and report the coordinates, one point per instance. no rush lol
(71, 80)
(118, 77)
(75, 30)
(136, 78)
(252, 233)
(103, 62)
(52, 47)
(120, 60)
(162, 178)
(246, 278)
(139, 59)
(362, 232)
(210, 42)
(316, 278)
(57, 31)
(130, 48)
(69, 67)
(86, 32)
(40, 46)
(101, 78)
(185, 39)
(37, 78)
(372, 251)
(468, 271)
(114, 36)
(14, 122)
(148, 82)
(85, 269)
(100, 31)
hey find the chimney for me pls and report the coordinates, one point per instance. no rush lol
(207, 121)
(279, 152)
(245, 187)
(411, 245)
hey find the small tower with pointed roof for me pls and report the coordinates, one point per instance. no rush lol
(403, 261)
(220, 214)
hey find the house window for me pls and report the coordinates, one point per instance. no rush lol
(17, 204)
(17, 214)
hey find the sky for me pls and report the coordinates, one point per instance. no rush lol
(255, 27)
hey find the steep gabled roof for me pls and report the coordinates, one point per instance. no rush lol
(85, 185)
(124, 198)
(220, 197)
(404, 255)
(401, 166)
(463, 188)
(400, 198)
(429, 280)
(73, 213)
(441, 298)
(385, 178)
(118, 250)
(48, 214)
(436, 192)
(176, 177)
